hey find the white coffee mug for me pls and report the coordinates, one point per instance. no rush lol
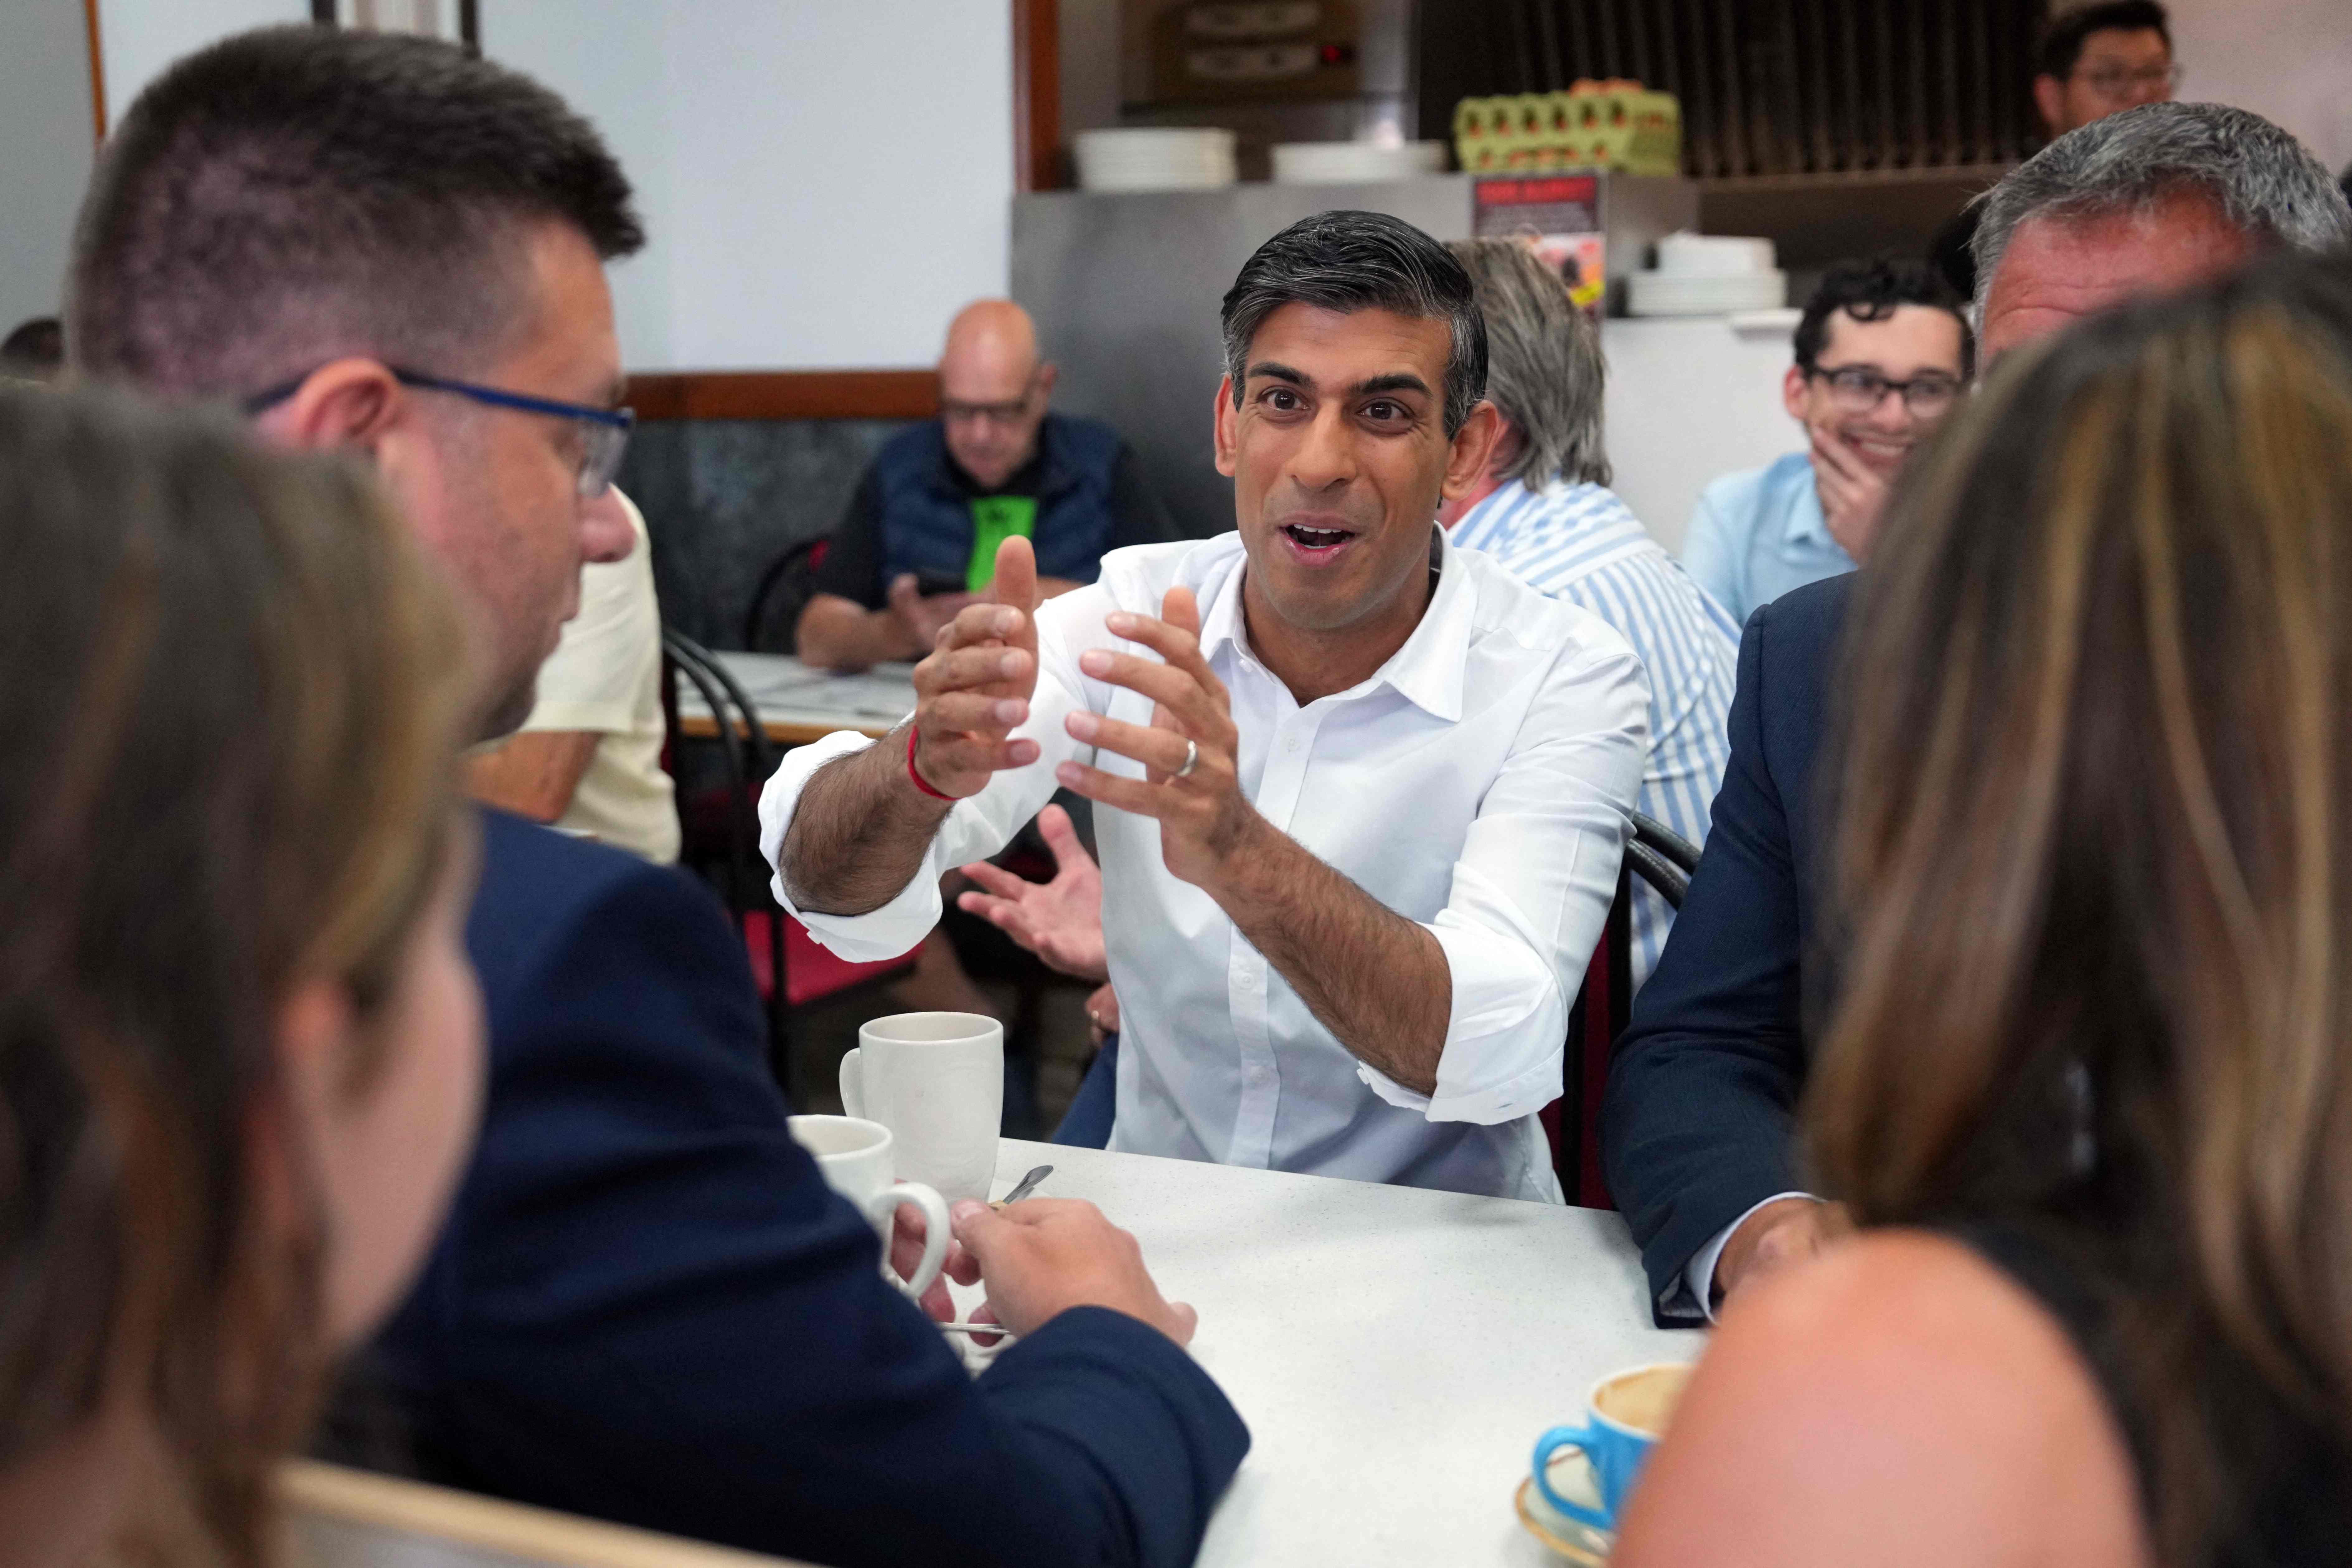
(937, 1081)
(855, 1157)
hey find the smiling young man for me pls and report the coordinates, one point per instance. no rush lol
(1882, 352)
(1368, 791)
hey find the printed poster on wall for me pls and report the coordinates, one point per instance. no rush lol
(1560, 215)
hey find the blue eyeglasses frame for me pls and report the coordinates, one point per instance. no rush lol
(606, 430)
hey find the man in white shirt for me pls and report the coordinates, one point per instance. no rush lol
(588, 759)
(1368, 791)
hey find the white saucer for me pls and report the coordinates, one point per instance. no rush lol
(1572, 1539)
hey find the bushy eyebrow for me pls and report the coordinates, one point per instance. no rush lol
(1398, 381)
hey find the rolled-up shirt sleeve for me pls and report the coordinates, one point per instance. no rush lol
(978, 826)
(1532, 889)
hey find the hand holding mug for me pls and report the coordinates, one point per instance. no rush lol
(974, 688)
(1190, 783)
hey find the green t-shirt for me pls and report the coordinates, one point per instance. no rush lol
(994, 519)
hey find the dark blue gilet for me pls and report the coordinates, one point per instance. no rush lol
(927, 524)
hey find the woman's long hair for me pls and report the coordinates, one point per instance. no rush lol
(2095, 859)
(231, 696)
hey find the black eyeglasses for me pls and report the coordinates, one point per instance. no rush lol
(1858, 389)
(603, 432)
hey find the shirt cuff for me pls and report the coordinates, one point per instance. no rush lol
(880, 934)
(1698, 1274)
(1505, 1034)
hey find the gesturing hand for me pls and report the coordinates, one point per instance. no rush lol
(1852, 494)
(974, 687)
(1060, 921)
(1203, 816)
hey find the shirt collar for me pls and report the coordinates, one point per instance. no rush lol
(1428, 671)
(1806, 524)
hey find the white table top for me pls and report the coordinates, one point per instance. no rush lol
(805, 702)
(1395, 1352)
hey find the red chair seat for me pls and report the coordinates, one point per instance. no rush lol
(811, 972)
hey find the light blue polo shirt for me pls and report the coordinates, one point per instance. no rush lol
(1759, 534)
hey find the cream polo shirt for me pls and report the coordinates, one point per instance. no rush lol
(604, 677)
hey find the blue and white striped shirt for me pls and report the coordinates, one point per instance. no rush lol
(1580, 543)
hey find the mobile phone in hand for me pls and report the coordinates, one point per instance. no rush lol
(932, 584)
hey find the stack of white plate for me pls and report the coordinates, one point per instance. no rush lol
(1350, 163)
(1708, 275)
(1152, 158)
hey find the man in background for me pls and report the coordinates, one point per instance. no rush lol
(1695, 1125)
(646, 1305)
(588, 761)
(2095, 59)
(920, 540)
(1544, 510)
(1367, 792)
(1882, 352)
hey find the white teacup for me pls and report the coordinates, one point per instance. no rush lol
(937, 1081)
(855, 1157)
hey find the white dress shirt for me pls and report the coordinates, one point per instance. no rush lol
(1477, 782)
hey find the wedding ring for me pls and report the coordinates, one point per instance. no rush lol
(1191, 760)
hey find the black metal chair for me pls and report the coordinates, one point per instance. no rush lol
(1663, 860)
(746, 760)
(784, 592)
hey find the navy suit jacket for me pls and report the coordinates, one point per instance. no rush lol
(1697, 1120)
(647, 1306)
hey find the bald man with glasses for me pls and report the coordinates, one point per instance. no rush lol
(918, 542)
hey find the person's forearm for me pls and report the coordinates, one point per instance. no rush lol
(534, 774)
(1376, 980)
(1054, 588)
(859, 831)
(839, 634)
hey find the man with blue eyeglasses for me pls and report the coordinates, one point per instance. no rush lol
(646, 1303)
(1882, 352)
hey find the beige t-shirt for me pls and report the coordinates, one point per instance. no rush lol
(604, 677)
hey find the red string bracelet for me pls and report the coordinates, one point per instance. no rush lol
(911, 773)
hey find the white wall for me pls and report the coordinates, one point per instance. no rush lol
(1688, 400)
(139, 37)
(2287, 60)
(825, 183)
(44, 123)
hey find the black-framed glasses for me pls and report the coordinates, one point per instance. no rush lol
(1858, 389)
(603, 432)
(2110, 81)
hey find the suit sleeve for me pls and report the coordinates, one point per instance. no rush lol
(1699, 1114)
(651, 1309)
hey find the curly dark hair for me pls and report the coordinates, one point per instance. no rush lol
(1869, 291)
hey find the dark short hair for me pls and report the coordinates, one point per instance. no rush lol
(1870, 291)
(294, 194)
(34, 351)
(2062, 40)
(1350, 262)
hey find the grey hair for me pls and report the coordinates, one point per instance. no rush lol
(1350, 262)
(2262, 180)
(1544, 369)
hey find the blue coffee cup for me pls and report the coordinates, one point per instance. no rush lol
(1622, 1420)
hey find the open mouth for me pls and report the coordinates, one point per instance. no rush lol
(1316, 544)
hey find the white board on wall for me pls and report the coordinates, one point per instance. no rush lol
(823, 185)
